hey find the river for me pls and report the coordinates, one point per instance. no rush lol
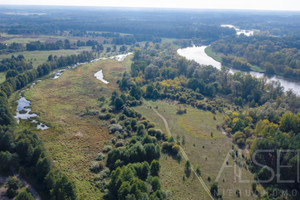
(239, 31)
(198, 54)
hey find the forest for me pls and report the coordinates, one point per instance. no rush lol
(274, 55)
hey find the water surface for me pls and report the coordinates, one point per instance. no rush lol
(99, 76)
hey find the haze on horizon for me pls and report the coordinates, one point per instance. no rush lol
(289, 5)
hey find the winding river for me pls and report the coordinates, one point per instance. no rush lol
(198, 54)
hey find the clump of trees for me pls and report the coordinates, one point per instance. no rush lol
(133, 161)
(15, 65)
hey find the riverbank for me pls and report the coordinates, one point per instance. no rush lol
(199, 55)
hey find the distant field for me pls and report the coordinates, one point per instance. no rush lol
(73, 141)
(39, 57)
(209, 152)
(23, 39)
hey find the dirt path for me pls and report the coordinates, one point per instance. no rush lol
(34, 193)
(182, 151)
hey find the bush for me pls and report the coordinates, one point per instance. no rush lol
(154, 168)
(103, 174)
(198, 170)
(24, 195)
(120, 143)
(170, 147)
(113, 121)
(115, 127)
(96, 167)
(107, 148)
(100, 157)
(105, 116)
(214, 189)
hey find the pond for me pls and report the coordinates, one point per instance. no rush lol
(99, 76)
(23, 112)
(239, 31)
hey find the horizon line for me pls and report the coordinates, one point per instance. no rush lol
(141, 7)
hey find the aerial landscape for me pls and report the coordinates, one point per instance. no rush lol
(149, 101)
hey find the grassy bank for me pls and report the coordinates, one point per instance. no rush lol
(211, 54)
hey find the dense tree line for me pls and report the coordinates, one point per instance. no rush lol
(18, 64)
(37, 45)
(132, 39)
(133, 161)
(274, 55)
(11, 48)
(149, 23)
(21, 80)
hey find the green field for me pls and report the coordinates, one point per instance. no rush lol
(39, 57)
(209, 152)
(73, 141)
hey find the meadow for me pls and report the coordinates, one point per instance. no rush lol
(205, 146)
(73, 140)
(39, 57)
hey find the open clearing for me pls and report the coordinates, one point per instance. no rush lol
(202, 149)
(72, 140)
(39, 57)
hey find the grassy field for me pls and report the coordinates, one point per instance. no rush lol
(73, 141)
(23, 39)
(39, 57)
(210, 53)
(208, 151)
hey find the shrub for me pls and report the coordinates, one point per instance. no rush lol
(100, 157)
(107, 148)
(96, 167)
(214, 189)
(154, 168)
(24, 195)
(198, 170)
(105, 116)
(113, 121)
(115, 127)
(120, 143)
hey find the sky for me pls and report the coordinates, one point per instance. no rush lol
(202, 4)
